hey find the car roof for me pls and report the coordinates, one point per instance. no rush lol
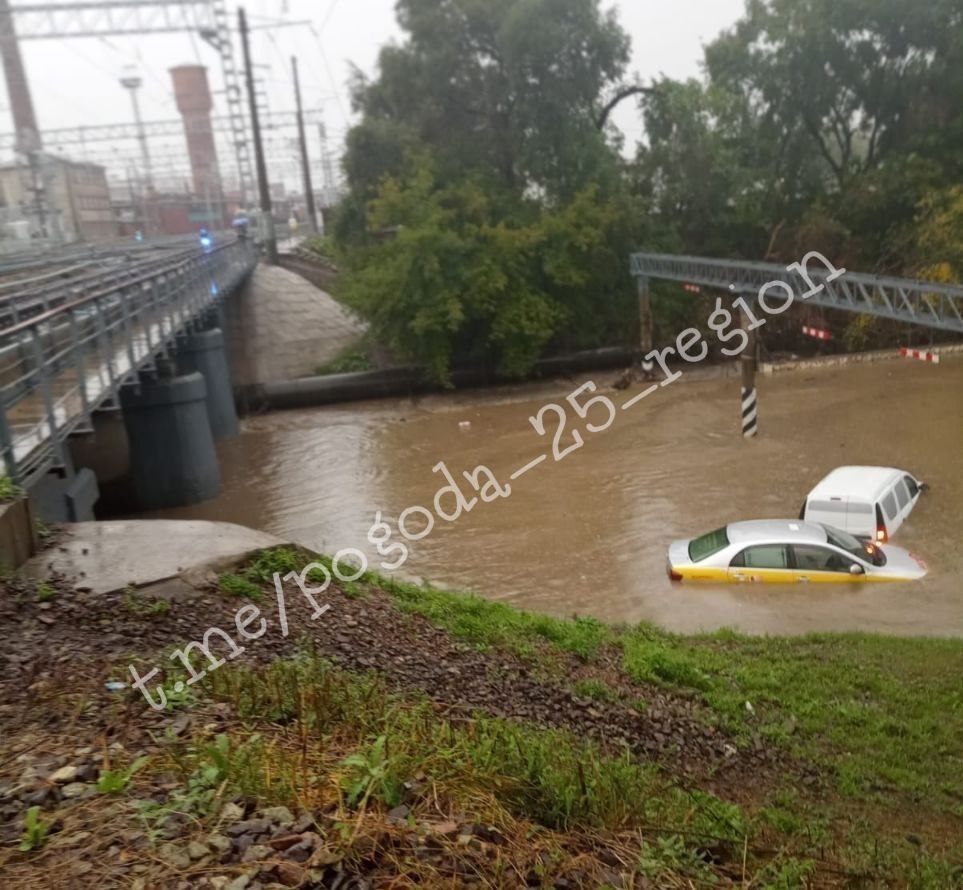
(857, 483)
(783, 530)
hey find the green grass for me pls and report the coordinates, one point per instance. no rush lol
(885, 714)
(235, 585)
(486, 624)
(543, 775)
(313, 732)
(143, 607)
(45, 592)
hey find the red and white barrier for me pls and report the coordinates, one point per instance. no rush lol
(817, 333)
(919, 355)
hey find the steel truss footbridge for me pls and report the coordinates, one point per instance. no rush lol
(72, 336)
(916, 302)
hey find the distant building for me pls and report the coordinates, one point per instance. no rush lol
(77, 205)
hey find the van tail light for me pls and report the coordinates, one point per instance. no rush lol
(881, 534)
(673, 574)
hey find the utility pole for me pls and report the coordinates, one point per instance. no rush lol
(264, 189)
(305, 165)
(327, 169)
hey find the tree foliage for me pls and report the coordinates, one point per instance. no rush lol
(506, 89)
(491, 216)
(456, 282)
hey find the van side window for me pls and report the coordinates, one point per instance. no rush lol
(772, 556)
(889, 505)
(902, 495)
(914, 489)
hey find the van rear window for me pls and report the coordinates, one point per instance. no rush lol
(708, 545)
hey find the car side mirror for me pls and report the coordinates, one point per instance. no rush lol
(856, 569)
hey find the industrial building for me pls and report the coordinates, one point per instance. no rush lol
(78, 202)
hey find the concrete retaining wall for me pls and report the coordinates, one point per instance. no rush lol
(855, 358)
(18, 533)
(309, 391)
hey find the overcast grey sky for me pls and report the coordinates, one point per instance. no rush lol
(75, 81)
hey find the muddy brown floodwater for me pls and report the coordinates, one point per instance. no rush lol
(588, 534)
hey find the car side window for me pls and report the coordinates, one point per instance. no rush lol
(811, 558)
(771, 556)
(902, 495)
(911, 486)
(889, 505)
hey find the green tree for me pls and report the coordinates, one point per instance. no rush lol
(510, 91)
(459, 283)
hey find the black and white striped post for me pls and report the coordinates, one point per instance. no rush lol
(645, 323)
(750, 414)
(750, 404)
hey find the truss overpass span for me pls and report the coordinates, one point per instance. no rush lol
(917, 302)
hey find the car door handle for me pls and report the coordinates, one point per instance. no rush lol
(802, 579)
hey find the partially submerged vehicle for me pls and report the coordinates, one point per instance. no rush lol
(788, 552)
(868, 502)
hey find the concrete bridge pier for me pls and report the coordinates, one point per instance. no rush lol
(204, 352)
(172, 456)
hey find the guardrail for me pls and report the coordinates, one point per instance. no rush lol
(918, 302)
(59, 366)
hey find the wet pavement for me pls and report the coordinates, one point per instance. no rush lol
(109, 556)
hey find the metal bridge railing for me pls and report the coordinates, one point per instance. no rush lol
(918, 302)
(57, 367)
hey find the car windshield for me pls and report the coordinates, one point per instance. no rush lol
(707, 545)
(863, 549)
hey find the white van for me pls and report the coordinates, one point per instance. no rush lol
(867, 502)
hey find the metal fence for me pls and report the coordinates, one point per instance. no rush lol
(59, 366)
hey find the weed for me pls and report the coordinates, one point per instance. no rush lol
(137, 605)
(116, 781)
(595, 689)
(348, 362)
(280, 560)
(9, 490)
(35, 831)
(45, 592)
(370, 776)
(235, 585)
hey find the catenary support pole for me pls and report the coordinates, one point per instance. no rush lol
(264, 187)
(305, 163)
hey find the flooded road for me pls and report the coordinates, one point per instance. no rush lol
(588, 534)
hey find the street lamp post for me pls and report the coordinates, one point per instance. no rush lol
(133, 83)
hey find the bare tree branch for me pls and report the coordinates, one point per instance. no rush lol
(626, 92)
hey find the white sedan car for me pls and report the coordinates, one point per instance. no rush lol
(788, 552)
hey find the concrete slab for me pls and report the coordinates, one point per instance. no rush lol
(106, 556)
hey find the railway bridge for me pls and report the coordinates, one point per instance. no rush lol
(137, 330)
